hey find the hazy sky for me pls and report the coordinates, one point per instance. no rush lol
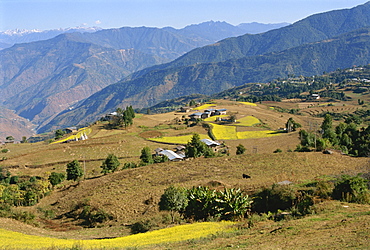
(52, 14)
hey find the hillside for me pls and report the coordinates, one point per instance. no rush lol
(11, 37)
(40, 79)
(131, 195)
(209, 78)
(14, 125)
(314, 28)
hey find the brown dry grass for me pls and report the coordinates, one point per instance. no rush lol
(335, 226)
(133, 194)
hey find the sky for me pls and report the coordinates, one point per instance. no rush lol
(54, 14)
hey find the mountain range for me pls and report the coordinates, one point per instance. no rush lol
(42, 78)
(322, 42)
(209, 30)
(84, 75)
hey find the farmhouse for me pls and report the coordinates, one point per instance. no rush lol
(195, 116)
(70, 130)
(179, 148)
(315, 96)
(172, 156)
(185, 109)
(158, 150)
(211, 144)
(207, 113)
(220, 112)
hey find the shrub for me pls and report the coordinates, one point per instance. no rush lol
(324, 189)
(272, 199)
(232, 204)
(174, 200)
(160, 158)
(56, 178)
(4, 150)
(93, 215)
(141, 226)
(14, 180)
(129, 165)
(351, 189)
(278, 150)
(24, 216)
(206, 204)
(240, 149)
(200, 205)
(304, 204)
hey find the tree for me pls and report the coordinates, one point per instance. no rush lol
(24, 139)
(146, 156)
(327, 124)
(9, 138)
(192, 103)
(59, 133)
(174, 199)
(123, 117)
(232, 117)
(110, 164)
(328, 131)
(74, 170)
(240, 149)
(352, 189)
(56, 178)
(196, 148)
(291, 125)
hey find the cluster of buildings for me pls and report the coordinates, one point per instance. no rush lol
(207, 113)
(178, 154)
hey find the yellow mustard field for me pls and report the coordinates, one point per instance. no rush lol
(14, 240)
(205, 106)
(81, 131)
(249, 103)
(184, 139)
(247, 121)
(222, 132)
(256, 134)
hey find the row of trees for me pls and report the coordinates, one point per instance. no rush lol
(345, 137)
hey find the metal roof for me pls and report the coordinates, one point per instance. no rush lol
(171, 155)
(210, 142)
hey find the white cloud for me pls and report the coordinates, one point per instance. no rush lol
(97, 22)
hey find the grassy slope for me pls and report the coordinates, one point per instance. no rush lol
(131, 195)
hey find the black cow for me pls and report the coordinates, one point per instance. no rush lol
(246, 176)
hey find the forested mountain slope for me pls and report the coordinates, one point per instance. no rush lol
(352, 48)
(313, 28)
